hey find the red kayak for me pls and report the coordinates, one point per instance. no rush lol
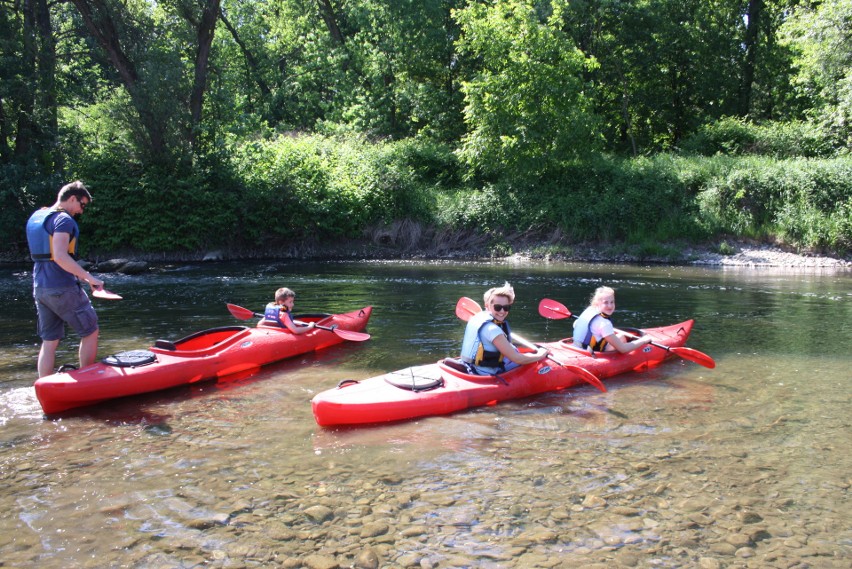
(444, 387)
(214, 353)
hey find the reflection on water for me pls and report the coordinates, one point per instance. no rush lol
(746, 465)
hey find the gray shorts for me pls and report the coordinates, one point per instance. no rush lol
(58, 306)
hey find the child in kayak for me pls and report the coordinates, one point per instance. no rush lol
(487, 345)
(594, 330)
(281, 311)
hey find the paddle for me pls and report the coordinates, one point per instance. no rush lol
(105, 294)
(557, 311)
(467, 307)
(246, 314)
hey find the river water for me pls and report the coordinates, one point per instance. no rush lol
(745, 465)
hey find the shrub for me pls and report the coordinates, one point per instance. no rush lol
(803, 202)
(155, 209)
(324, 187)
(737, 137)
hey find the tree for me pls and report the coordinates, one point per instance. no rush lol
(527, 105)
(151, 69)
(820, 33)
(28, 108)
(400, 73)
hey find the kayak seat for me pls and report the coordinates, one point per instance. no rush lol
(458, 365)
(165, 345)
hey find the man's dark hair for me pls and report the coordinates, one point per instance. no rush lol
(74, 189)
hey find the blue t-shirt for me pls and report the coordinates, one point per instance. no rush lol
(48, 274)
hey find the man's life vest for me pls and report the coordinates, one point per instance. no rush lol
(40, 240)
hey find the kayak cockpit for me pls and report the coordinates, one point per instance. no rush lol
(205, 340)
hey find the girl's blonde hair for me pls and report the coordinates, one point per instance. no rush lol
(505, 290)
(599, 293)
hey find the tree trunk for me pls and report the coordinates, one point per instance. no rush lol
(47, 116)
(330, 19)
(25, 127)
(206, 29)
(753, 17)
(5, 134)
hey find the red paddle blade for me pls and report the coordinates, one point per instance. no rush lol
(587, 376)
(694, 356)
(105, 294)
(240, 312)
(466, 308)
(553, 309)
(352, 335)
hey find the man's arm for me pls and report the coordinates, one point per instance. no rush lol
(64, 260)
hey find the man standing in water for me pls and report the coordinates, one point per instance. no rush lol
(52, 235)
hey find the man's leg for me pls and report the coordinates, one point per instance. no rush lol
(47, 357)
(89, 349)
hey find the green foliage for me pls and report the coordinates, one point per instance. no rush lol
(321, 120)
(644, 201)
(803, 202)
(526, 106)
(154, 209)
(726, 248)
(327, 187)
(23, 189)
(614, 199)
(820, 33)
(735, 136)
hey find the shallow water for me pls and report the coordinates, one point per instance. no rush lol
(746, 465)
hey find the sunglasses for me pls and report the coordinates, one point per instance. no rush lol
(502, 307)
(83, 204)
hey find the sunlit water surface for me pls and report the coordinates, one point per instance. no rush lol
(746, 465)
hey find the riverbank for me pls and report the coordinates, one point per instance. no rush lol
(736, 254)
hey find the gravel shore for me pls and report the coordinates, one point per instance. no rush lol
(743, 255)
(767, 256)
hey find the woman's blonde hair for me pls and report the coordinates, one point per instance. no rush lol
(505, 290)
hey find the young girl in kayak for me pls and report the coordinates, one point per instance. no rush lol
(487, 345)
(281, 311)
(594, 331)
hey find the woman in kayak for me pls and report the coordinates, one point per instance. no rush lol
(487, 345)
(594, 331)
(281, 311)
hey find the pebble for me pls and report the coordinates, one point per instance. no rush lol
(367, 559)
(319, 514)
(321, 562)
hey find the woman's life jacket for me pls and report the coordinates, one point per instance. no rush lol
(478, 352)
